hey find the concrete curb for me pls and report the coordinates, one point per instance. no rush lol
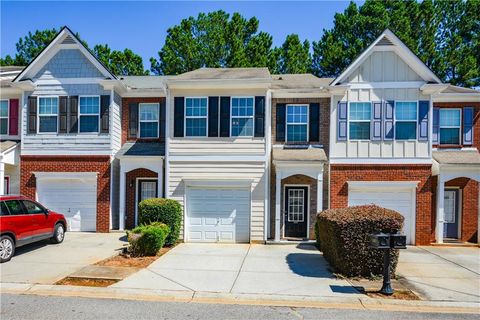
(243, 299)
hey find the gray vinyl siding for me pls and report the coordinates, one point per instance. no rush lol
(68, 63)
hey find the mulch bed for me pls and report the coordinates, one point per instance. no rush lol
(125, 260)
(86, 282)
(398, 294)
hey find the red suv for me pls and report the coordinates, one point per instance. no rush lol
(24, 221)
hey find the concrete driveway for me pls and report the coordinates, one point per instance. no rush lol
(298, 270)
(45, 263)
(442, 273)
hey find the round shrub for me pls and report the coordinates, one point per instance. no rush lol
(167, 211)
(344, 233)
(147, 240)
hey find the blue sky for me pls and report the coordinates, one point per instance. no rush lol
(142, 26)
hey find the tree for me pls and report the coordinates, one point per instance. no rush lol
(294, 56)
(213, 40)
(122, 63)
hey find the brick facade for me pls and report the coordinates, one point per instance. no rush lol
(99, 164)
(130, 203)
(340, 174)
(469, 208)
(126, 116)
(476, 117)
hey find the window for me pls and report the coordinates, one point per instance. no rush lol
(48, 114)
(3, 116)
(32, 207)
(196, 117)
(14, 207)
(3, 209)
(89, 114)
(450, 125)
(360, 114)
(242, 117)
(297, 123)
(149, 115)
(405, 120)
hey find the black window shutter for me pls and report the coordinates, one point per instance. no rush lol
(224, 116)
(213, 116)
(105, 114)
(161, 126)
(132, 120)
(314, 123)
(73, 114)
(259, 116)
(32, 114)
(280, 122)
(179, 115)
(63, 114)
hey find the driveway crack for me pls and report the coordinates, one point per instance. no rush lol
(241, 267)
(176, 282)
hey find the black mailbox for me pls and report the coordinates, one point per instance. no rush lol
(380, 241)
(398, 241)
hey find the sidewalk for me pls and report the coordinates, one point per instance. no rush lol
(363, 303)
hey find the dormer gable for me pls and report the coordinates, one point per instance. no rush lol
(386, 59)
(65, 57)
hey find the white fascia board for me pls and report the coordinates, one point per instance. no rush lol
(299, 164)
(388, 85)
(456, 97)
(26, 151)
(60, 81)
(380, 161)
(25, 85)
(311, 93)
(201, 158)
(381, 185)
(144, 93)
(66, 175)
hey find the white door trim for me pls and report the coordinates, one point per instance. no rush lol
(136, 195)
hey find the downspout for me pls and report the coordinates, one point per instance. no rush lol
(268, 148)
(166, 166)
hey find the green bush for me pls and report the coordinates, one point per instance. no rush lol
(344, 238)
(147, 240)
(167, 211)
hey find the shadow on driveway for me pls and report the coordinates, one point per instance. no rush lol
(308, 265)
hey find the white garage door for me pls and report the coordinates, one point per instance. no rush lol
(75, 198)
(400, 200)
(218, 215)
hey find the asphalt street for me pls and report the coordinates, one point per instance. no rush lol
(25, 307)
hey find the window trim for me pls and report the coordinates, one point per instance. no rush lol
(243, 117)
(349, 120)
(8, 116)
(395, 121)
(185, 117)
(460, 126)
(89, 114)
(48, 115)
(307, 123)
(148, 121)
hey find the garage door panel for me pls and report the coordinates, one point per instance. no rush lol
(398, 200)
(75, 198)
(217, 215)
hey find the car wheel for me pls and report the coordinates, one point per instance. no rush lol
(58, 233)
(7, 249)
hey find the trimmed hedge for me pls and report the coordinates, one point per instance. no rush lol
(167, 211)
(146, 240)
(343, 235)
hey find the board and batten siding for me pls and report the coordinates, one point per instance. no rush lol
(221, 171)
(380, 66)
(64, 144)
(219, 146)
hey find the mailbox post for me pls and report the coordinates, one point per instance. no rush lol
(386, 242)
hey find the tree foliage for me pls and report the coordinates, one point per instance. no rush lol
(444, 34)
(121, 63)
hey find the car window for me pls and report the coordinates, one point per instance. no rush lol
(3, 209)
(32, 207)
(14, 206)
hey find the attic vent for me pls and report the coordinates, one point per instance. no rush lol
(384, 42)
(68, 40)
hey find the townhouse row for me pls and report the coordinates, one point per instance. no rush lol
(251, 156)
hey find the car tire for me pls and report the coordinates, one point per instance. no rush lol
(7, 248)
(58, 233)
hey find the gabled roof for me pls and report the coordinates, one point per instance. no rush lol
(386, 39)
(64, 37)
(225, 74)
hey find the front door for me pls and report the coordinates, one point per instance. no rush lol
(451, 214)
(147, 188)
(296, 206)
